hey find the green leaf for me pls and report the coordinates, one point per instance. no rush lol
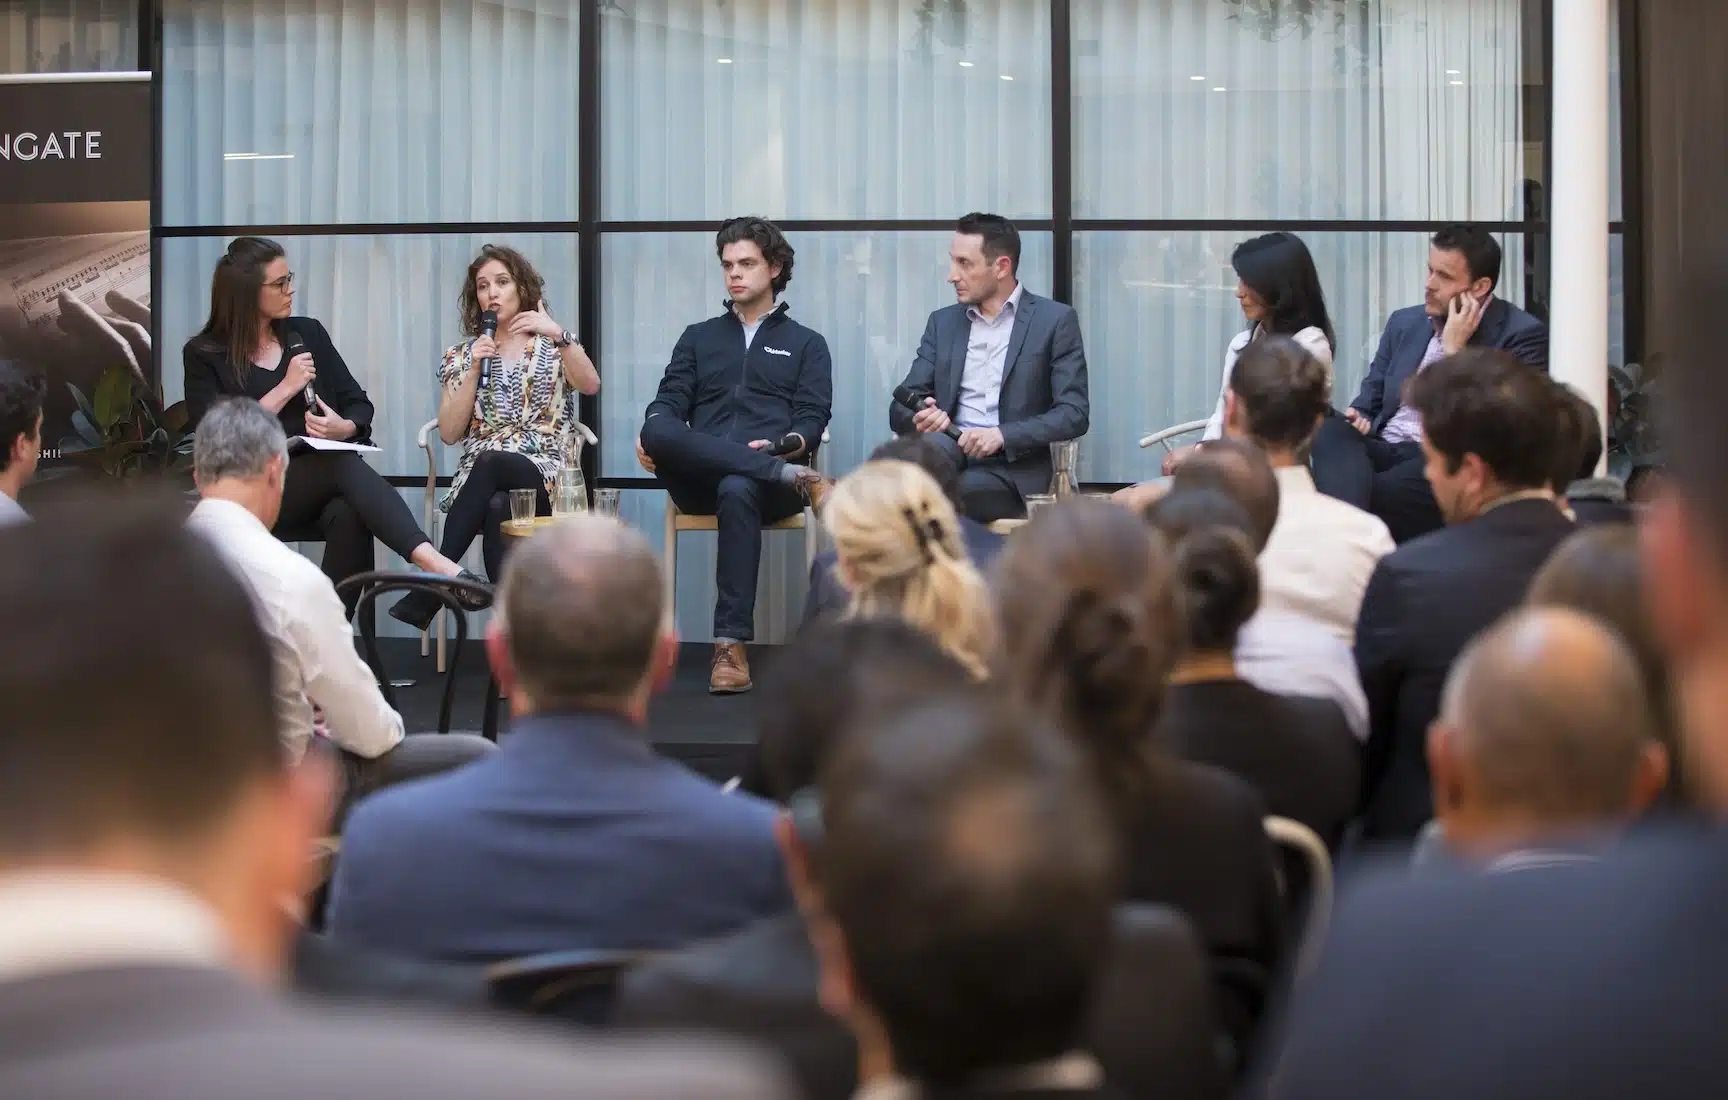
(85, 429)
(113, 398)
(82, 401)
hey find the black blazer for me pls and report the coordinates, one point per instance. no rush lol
(1044, 396)
(1196, 841)
(1405, 341)
(1297, 751)
(320, 967)
(210, 375)
(827, 594)
(1151, 1029)
(1425, 602)
(1600, 981)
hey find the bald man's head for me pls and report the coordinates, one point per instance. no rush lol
(1544, 728)
(583, 617)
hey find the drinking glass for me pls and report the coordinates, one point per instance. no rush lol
(606, 502)
(1035, 501)
(522, 506)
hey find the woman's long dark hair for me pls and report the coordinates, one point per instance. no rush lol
(1279, 269)
(235, 322)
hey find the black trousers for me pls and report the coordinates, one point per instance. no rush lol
(350, 504)
(709, 476)
(483, 505)
(988, 491)
(1340, 463)
(1401, 495)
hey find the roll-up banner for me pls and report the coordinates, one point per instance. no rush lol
(76, 166)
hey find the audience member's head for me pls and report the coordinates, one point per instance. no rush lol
(241, 455)
(1544, 736)
(584, 624)
(926, 454)
(1462, 259)
(1090, 630)
(1242, 472)
(898, 547)
(1598, 571)
(1685, 531)
(1489, 429)
(22, 392)
(1580, 445)
(967, 874)
(1217, 575)
(140, 743)
(1278, 395)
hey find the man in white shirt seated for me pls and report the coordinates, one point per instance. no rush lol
(239, 460)
(1279, 650)
(1322, 551)
(21, 395)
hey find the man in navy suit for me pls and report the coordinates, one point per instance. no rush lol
(575, 834)
(1580, 982)
(1459, 310)
(828, 594)
(1003, 368)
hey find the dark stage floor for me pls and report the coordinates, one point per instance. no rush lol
(710, 733)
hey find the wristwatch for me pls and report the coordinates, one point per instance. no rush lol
(565, 339)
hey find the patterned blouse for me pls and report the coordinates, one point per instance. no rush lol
(526, 408)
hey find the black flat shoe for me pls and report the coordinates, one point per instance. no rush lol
(418, 608)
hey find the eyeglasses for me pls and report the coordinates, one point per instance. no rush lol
(284, 284)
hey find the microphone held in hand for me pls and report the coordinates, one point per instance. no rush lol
(297, 346)
(488, 329)
(906, 398)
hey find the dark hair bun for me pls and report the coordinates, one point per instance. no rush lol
(1220, 586)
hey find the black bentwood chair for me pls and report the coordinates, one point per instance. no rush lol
(370, 586)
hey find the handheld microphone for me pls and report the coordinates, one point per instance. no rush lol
(904, 397)
(789, 442)
(297, 346)
(489, 329)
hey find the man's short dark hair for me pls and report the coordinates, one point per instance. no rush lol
(1242, 472)
(582, 612)
(22, 392)
(841, 672)
(1283, 392)
(767, 236)
(122, 719)
(924, 453)
(1579, 447)
(968, 861)
(1480, 250)
(1484, 402)
(1000, 237)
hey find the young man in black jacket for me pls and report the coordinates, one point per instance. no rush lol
(739, 415)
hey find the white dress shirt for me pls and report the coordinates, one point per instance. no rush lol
(56, 921)
(1321, 554)
(986, 364)
(11, 512)
(1290, 654)
(310, 642)
(1313, 341)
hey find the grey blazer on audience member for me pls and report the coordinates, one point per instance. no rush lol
(166, 1032)
(1044, 391)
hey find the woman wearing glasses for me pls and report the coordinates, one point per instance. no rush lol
(244, 351)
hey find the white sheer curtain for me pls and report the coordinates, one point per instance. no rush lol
(1372, 109)
(315, 111)
(68, 36)
(868, 293)
(825, 108)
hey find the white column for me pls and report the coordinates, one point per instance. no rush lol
(1578, 177)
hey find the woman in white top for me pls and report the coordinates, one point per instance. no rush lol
(1279, 290)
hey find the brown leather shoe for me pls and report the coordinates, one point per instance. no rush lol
(814, 487)
(730, 672)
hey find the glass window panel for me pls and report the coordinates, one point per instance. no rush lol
(1373, 109)
(826, 108)
(1157, 310)
(868, 293)
(389, 303)
(284, 113)
(68, 36)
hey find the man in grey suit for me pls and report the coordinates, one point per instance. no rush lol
(153, 837)
(1000, 374)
